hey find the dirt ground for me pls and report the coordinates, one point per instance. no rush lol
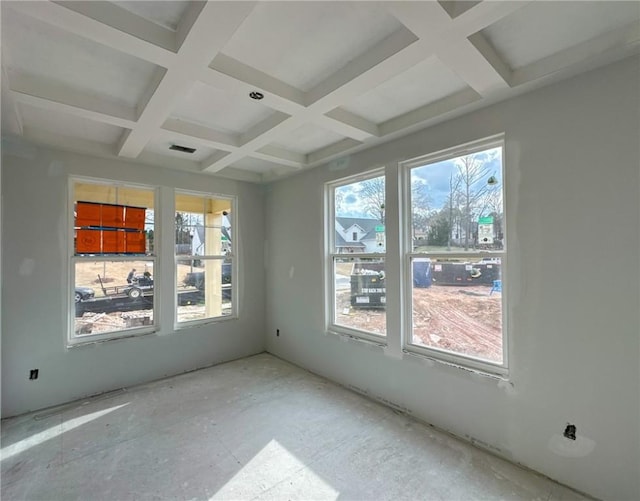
(115, 273)
(462, 319)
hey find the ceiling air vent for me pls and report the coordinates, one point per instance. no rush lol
(183, 149)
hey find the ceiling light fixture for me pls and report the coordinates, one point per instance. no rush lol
(256, 95)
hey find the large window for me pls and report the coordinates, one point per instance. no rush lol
(446, 267)
(112, 261)
(455, 251)
(204, 257)
(356, 253)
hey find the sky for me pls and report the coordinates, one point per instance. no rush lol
(436, 176)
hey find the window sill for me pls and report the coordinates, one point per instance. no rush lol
(356, 337)
(90, 340)
(497, 374)
(201, 323)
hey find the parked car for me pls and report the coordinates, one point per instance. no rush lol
(83, 293)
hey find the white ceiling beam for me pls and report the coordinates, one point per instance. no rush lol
(187, 21)
(482, 15)
(482, 45)
(288, 95)
(55, 97)
(11, 118)
(263, 127)
(214, 26)
(282, 156)
(81, 25)
(241, 89)
(383, 61)
(341, 117)
(262, 134)
(203, 135)
(620, 38)
(324, 154)
(429, 111)
(447, 38)
(472, 67)
(121, 19)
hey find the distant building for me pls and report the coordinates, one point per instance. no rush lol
(356, 234)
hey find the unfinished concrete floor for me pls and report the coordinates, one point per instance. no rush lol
(256, 428)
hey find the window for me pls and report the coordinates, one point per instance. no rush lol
(455, 251)
(356, 266)
(112, 261)
(204, 257)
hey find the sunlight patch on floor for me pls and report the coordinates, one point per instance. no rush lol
(53, 432)
(270, 467)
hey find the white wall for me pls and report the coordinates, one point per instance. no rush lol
(35, 274)
(572, 188)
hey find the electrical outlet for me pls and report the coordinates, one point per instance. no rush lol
(33, 373)
(570, 431)
(277, 332)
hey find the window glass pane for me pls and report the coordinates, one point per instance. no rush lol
(112, 296)
(456, 204)
(200, 297)
(203, 225)
(457, 306)
(360, 217)
(110, 219)
(360, 294)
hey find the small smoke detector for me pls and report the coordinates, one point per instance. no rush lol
(256, 95)
(183, 149)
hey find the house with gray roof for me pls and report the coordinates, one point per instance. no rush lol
(357, 234)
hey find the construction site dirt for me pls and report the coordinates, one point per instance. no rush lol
(466, 320)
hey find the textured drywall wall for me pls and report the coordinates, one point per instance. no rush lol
(572, 196)
(35, 278)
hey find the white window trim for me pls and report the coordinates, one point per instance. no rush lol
(234, 263)
(452, 358)
(73, 340)
(330, 255)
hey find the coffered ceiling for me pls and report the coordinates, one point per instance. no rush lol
(131, 79)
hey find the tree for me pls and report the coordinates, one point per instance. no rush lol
(439, 231)
(183, 234)
(372, 194)
(473, 173)
(421, 212)
(452, 203)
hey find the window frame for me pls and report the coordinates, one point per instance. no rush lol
(233, 199)
(331, 255)
(408, 255)
(72, 339)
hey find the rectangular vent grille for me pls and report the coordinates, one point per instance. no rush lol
(183, 149)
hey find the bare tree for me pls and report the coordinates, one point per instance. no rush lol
(454, 192)
(473, 173)
(372, 193)
(421, 206)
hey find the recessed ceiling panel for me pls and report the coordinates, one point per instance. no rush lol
(303, 43)
(218, 110)
(43, 51)
(69, 125)
(307, 139)
(424, 83)
(541, 29)
(166, 13)
(162, 147)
